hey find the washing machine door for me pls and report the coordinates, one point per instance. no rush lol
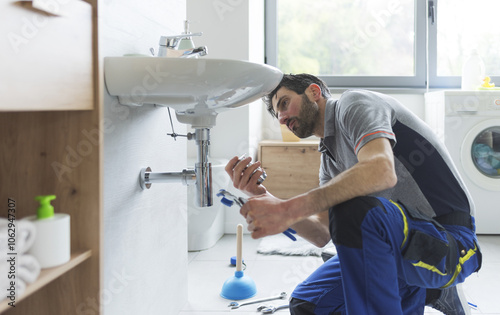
(480, 154)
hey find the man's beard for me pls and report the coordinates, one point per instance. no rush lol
(307, 119)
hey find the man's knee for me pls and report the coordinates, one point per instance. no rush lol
(301, 307)
(346, 219)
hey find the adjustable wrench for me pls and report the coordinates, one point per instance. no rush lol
(235, 305)
(271, 309)
(229, 199)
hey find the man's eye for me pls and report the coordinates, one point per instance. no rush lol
(284, 104)
(281, 106)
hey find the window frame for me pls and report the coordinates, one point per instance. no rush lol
(436, 81)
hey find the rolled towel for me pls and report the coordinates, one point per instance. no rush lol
(28, 269)
(25, 234)
(10, 283)
(12, 292)
(4, 238)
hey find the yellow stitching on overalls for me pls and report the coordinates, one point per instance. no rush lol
(461, 261)
(405, 229)
(429, 267)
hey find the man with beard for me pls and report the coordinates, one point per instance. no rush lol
(390, 198)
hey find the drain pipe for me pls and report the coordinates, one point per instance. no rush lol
(203, 169)
(201, 175)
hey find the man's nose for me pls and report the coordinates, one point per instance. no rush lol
(282, 118)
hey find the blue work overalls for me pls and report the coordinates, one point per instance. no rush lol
(386, 258)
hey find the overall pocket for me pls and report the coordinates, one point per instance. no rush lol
(425, 248)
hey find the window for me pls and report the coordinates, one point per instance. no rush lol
(459, 27)
(379, 43)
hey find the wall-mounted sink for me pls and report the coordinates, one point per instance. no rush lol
(198, 89)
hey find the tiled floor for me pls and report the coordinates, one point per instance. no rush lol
(274, 274)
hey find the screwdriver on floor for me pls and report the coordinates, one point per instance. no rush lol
(228, 199)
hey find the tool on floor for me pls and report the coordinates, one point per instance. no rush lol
(271, 309)
(263, 307)
(473, 306)
(232, 261)
(240, 286)
(228, 199)
(235, 305)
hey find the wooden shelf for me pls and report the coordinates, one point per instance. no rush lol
(48, 275)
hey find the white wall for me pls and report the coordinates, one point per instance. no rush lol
(145, 232)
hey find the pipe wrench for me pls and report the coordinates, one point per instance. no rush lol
(228, 199)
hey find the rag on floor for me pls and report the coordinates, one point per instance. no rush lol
(22, 268)
(279, 244)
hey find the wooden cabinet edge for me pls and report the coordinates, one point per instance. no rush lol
(48, 275)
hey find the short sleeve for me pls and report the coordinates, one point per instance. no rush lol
(364, 117)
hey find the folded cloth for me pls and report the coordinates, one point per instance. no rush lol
(21, 267)
(16, 270)
(279, 244)
(4, 237)
(28, 269)
(11, 285)
(17, 290)
(25, 233)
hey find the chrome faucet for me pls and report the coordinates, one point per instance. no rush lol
(172, 42)
(195, 52)
(182, 41)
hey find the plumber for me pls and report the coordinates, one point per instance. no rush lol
(390, 199)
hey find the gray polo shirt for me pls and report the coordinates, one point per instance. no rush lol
(427, 178)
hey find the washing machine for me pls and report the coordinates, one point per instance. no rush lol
(469, 124)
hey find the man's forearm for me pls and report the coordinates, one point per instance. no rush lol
(314, 229)
(373, 173)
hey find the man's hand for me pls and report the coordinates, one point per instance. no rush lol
(243, 177)
(267, 215)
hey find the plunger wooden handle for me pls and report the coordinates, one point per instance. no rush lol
(239, 245)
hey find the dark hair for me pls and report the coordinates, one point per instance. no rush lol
(297, 83)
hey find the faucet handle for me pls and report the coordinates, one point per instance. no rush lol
(173, 41)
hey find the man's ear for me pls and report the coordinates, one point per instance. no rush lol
(314, 92)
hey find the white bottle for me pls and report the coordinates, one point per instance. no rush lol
(472, 71)
(52, 246)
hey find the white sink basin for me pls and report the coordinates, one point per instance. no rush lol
(193, 87)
